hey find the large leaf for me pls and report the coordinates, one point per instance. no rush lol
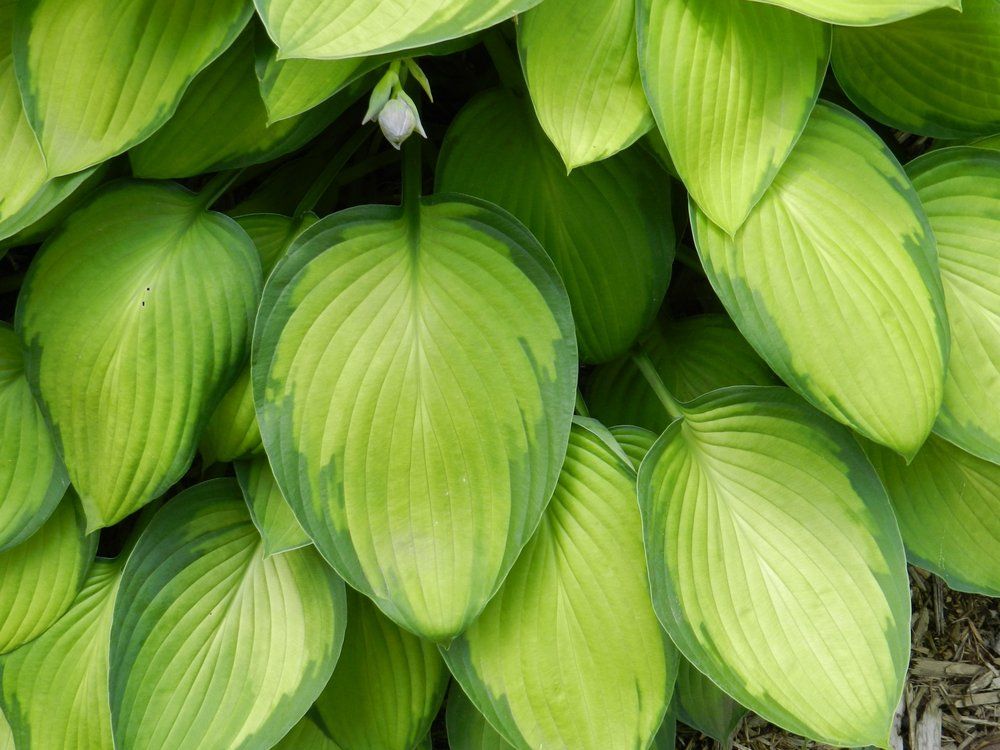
(589, 111)
(32, 477)
(467, 728)
(776, 563)
(387, 687)
(834, 280)
(960, 191)
(937, 74)
(864, 12)
(569, 652)
(607, 227)
(212, 643)
(703, 706)
(40, 577)
(120, 70)
(948, 506)
(137, 316)
(729, 112)
(692, 356)
(55, 690)
(269, 510)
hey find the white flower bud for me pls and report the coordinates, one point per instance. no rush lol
(398, 119)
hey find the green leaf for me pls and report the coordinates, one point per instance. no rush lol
(32, 477)
(323, 29)
(607, 226)
(703, 706)
(692, 356)
(40, 577)
(56, 200)
(306, 735)
(728, 112)
(128, 344)
(833, 279)
(937, 74)
(414, 376)
(960, 191)
(588, 111)
(388, 684)
(269, 510)
(467, 728)
(120, 71)
(6, 736)
(776, 564)
(864, 12)
(948, 506)
(569, 652)
(55, 689)
(634, 441)
(212, 643)
(666, 736)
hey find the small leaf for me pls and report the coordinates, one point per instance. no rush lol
(467, 728)
(269, 510)
(703, 706)
(634, 441)
(864, 12)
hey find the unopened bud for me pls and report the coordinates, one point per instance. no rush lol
(398, 119)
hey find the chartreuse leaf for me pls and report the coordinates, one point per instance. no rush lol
(729, 113)
(467, 728)
(414, 377)
(569, 652)
(32, 477)
(692, 356)
(776, 564)
(937, 74)
(213, 643)
(589, 110)
(55, 689)
(306, 735)
(354, 28)
(56, 200)
(40, 577)
(864, 12)
(960, 191)
(137, 316)
(948, 505)
(269, 510)
(635, 442)
(388, 684)
(6, 736)
(703, 706)
(607, 227)
(120, 73)
(833, 279)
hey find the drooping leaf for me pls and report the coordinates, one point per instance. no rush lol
(291, 87)
(269, 510)
(948, 506)
(607, 227)
(387, 687)
(833, 279)
(588, 111)
(32, 477)
(414, 377)
(692, 356)
(55, 689)
(703, 706)
(467, 728)
(569, 652)
(212, 643)
(864, 12)
(120, 71)
(40, 577)
(936, 74)
(306, 735)
(136, 317)
(731, 84)
(960, 191)
(776, 564)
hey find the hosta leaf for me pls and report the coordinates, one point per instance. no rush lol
(834, 280)
(32, 477)
(569, 652)
(6, 736)
(729, 113)
(937, 74)
(328, 29)
(387, 687)
(40, 577)
(960, 191)
(56, 200)
(269, 510)
(607, 227)
(55, 689)
(948, 505)
(129, 344)
(692, 356)
(306, 735)
(666, 736)
(467, 728)
(776, 564)
(414, 377)
(634, 441)
(120, 72)
(589, 111)
(703, 706)
(212, 643)
(864, 12)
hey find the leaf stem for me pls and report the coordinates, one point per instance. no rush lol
(581, 405)
(507, 65)
(412, 178)
(331, 171)
(648, 370)
(217, 186)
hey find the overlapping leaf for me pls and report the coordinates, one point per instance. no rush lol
(306, 735)
(703, 706)
(467, 728)
(269, 510)
(864, 12)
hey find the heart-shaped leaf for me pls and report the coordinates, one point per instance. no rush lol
(833, 279)
(864, 12)
(729, 112)
(269, 510)
(703, 706)
(414, 376)
(776, 564)
(467, 728)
